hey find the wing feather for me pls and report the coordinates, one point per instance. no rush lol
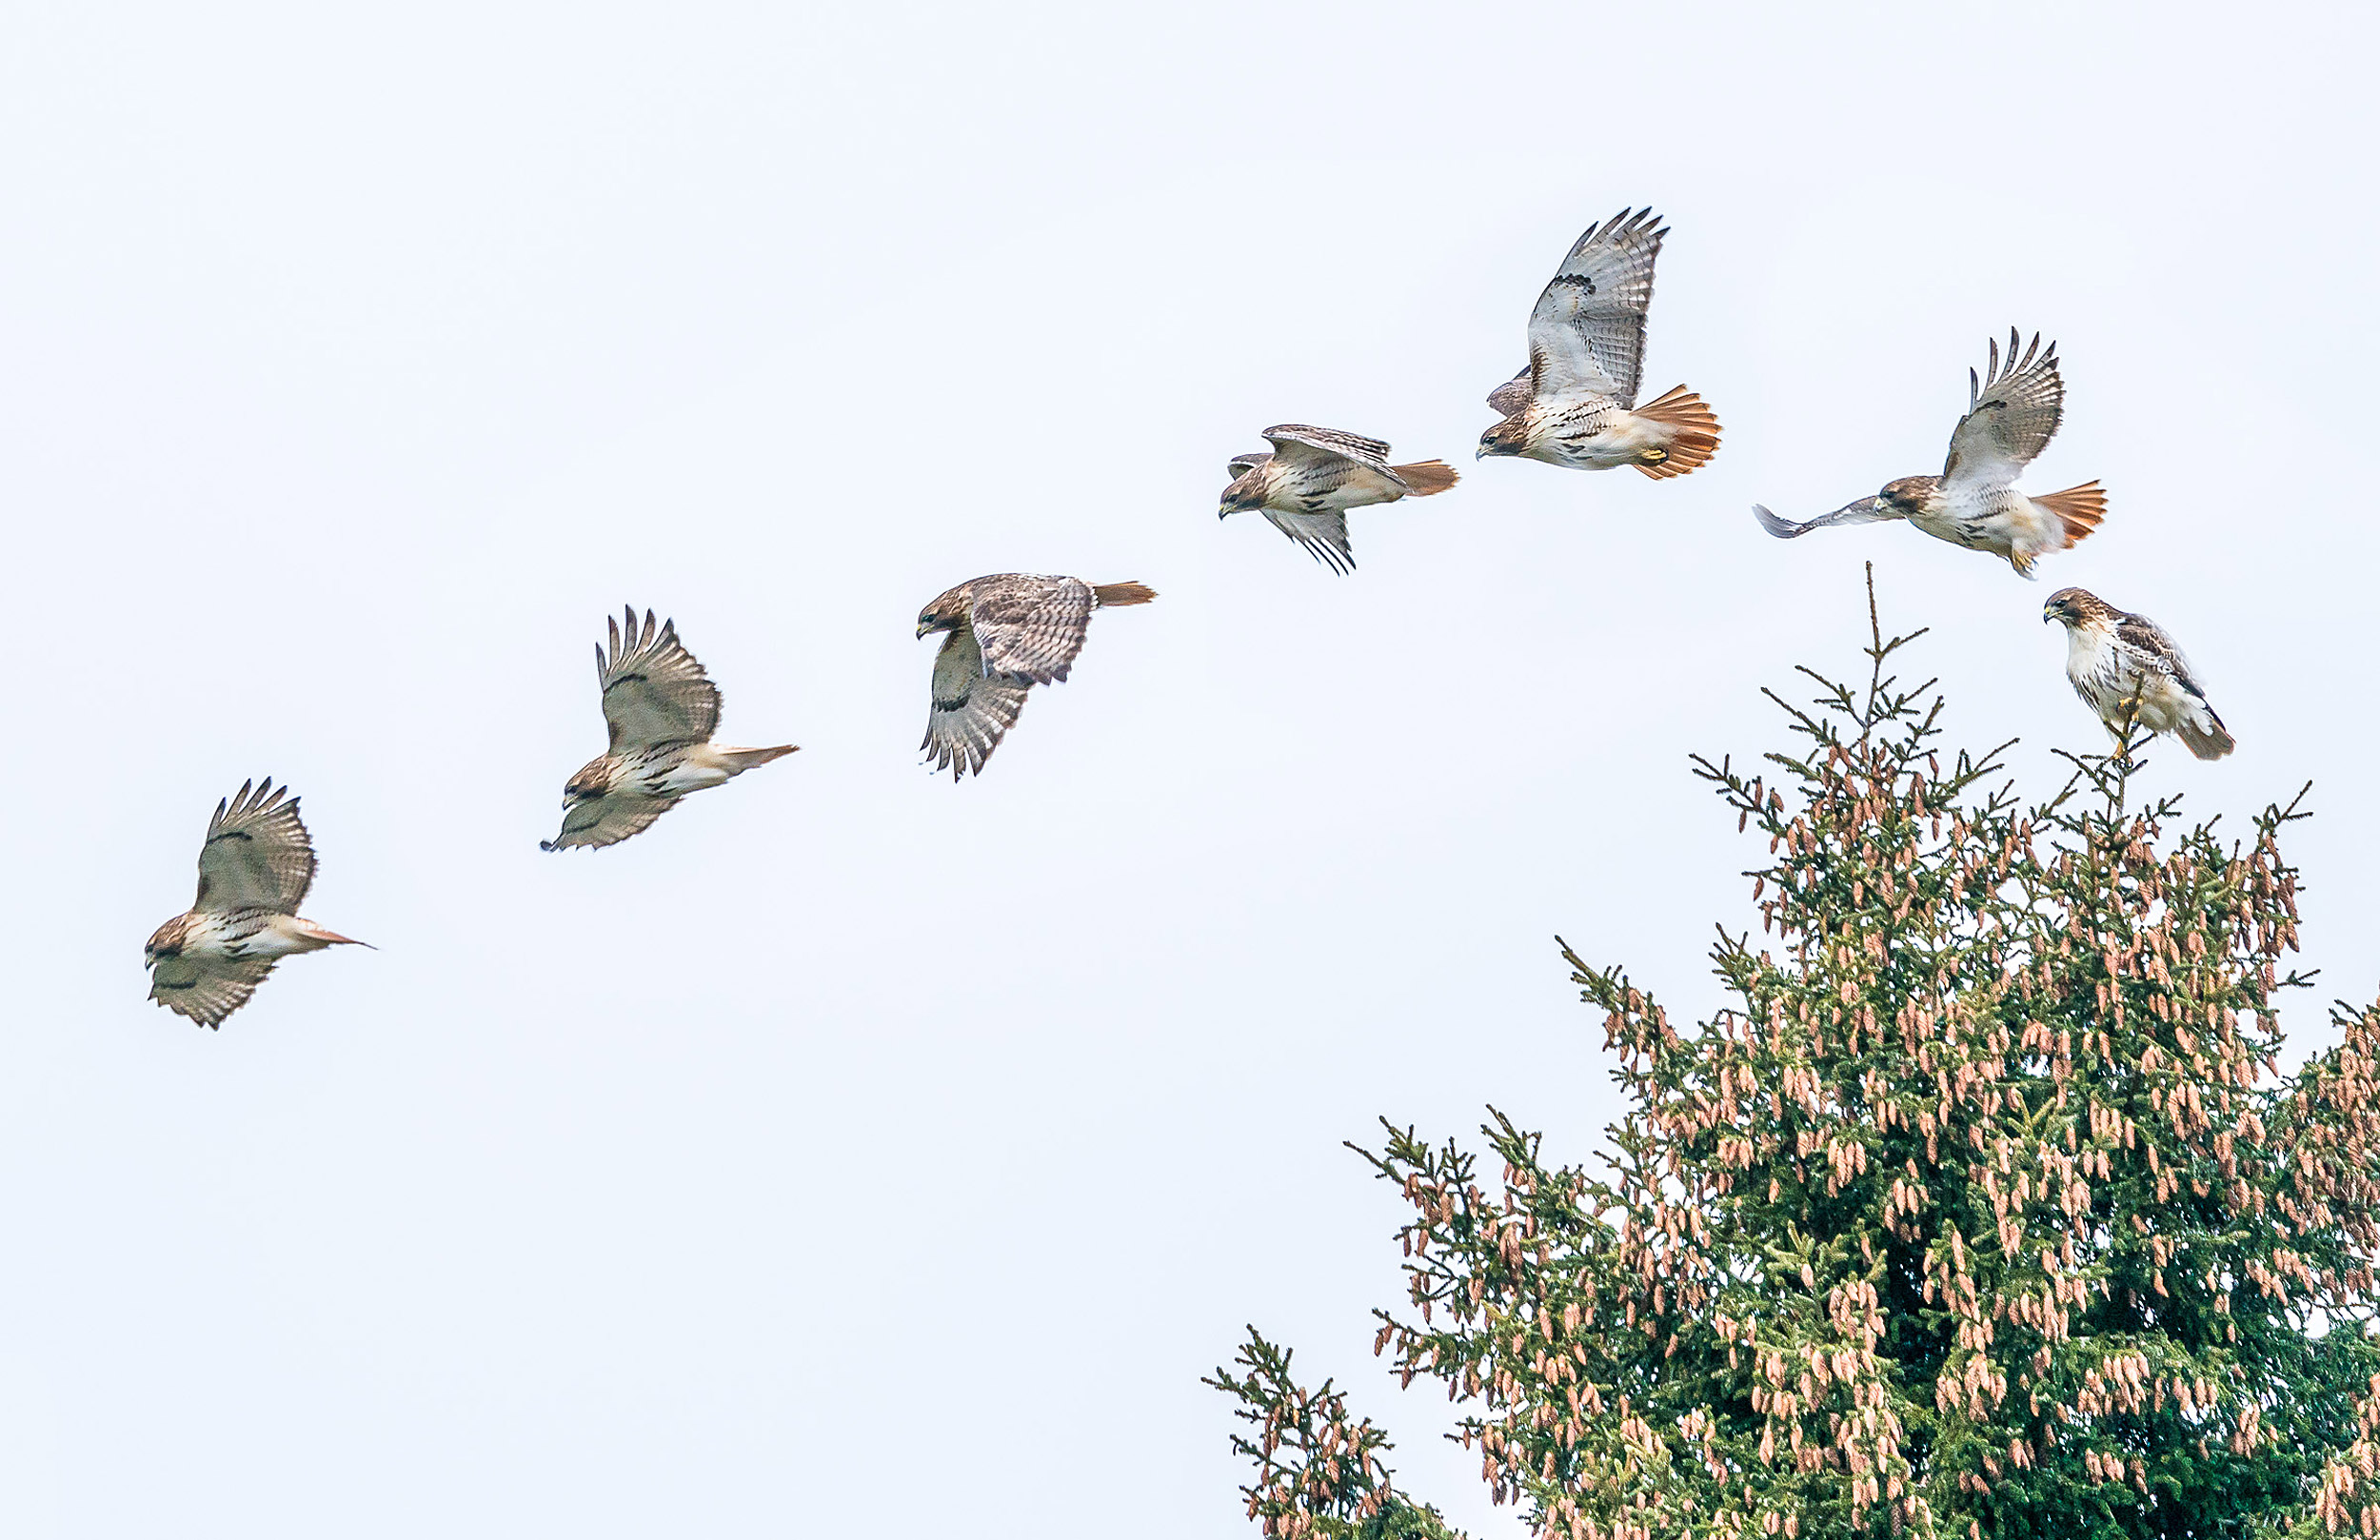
(2147, 644)
(1586, 336)
(2013, 412)
(205, 989)
(257, 853)
(1028, 625)
(1324, 536)
(606, 821)
(971, 711)
(1305, 447)
(654, 692)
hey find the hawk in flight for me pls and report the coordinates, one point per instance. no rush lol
(1314, 476)
(253, 872)
(1576, 404)
(2129, 671)
(2012, 414)
(1006, 633)
(661, 709)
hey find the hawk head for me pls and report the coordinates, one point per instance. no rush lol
(1911, 494)
(593, 781)
(946, 613)
(1245, 492)
(2074, 607)
(1509, 437)
(169, 940)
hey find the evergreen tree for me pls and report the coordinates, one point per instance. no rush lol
(1983, 1210)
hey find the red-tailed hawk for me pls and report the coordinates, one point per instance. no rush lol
(1576, 404)
(253, 872)
(1007, 632)
(1315, 475)
(661, 708)
(2011, 413)
(2129, 671)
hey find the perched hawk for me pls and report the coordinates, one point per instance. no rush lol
(661, 709)
(2011, 413)
(2129, 671)
(253, 872)
(1576, 404)
(1009, 632)
(1314, 476)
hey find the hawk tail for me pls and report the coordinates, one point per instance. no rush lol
(1110, 594)
(2210, 739)
(1690, 434)
(739, 760)
(322, 936)
(2078, 509)
(1426, 478)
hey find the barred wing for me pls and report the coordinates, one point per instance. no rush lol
(971, 711)
(257, 855)
(654, 692)
(1586, 336)
(1027, 625)
(205, 989)
(2013, 412)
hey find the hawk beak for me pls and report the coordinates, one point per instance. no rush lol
(921, 628)
(1481, 453)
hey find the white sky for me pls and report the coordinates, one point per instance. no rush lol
(852, 1153)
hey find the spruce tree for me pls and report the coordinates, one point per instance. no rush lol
(1983, 1210)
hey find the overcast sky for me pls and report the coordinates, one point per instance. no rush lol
(853, 1154)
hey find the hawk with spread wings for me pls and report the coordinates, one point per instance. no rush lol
(661, 708)
(1314, 476)
(253, 872)
(2130, 671)
(1576, 404)
(1005, 633)
(2013, 412)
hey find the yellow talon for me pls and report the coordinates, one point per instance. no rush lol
(1654, 457)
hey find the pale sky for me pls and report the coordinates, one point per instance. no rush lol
(855, 1154)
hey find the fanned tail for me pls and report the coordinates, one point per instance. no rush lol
(2078, 509)
(1427, 477)
(1690, 434)
(1111, 594)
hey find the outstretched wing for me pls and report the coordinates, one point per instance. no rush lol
(1028, 625)
(1321, 535)
(257, 853)
(1511, 395)
(1318, 448)
(972, 711)
(606, 821)
(2012, 412)
(1586, 336)
(205, 989)
(654, 692)
(1859, 513)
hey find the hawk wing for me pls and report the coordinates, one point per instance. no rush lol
(2146, 644)
(257, 855)
(654, 692)
(1586, 336)
(1513, 394)
(1318, 448)
(1242, 464)
(606, 821)
(1862, 512)
(1027, 625)
(1321, 535)
(972, 711)
(2011, 413)
(205, 989)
